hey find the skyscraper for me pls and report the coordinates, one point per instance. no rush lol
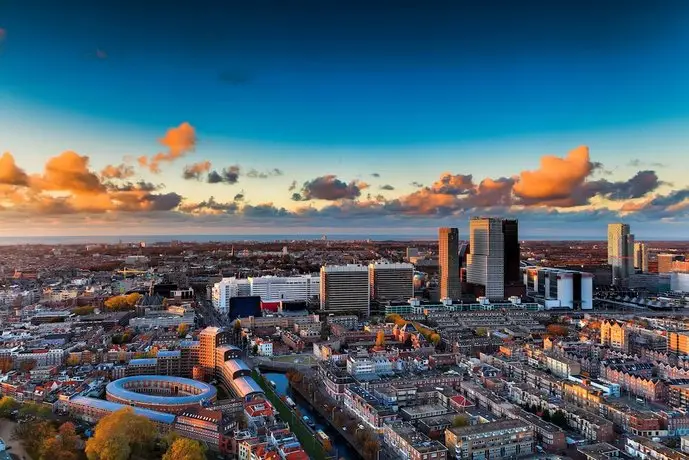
(620, 252)
(448, 262)
(391, 281)
(345, 288)
(641, 256)
(510, 231)
(486, 260)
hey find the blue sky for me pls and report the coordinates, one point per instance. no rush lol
(407, 90)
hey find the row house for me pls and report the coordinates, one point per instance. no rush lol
(632, 421)
(591, 426)
(368, 408)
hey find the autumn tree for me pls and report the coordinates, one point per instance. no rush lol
(182, 330)
(7, 405)
(6, 364)
(435, 339)
(33, 435)
(123, 302)
(380, 338)
(27, 365)
(121, 434)
(81, 311)
(557, 330)
(64, 446)
(185, 449)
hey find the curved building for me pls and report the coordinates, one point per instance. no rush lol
(246, 387)
(160, 392)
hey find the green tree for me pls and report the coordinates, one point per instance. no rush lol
(185, 449)
(546, 416)
(559, 418)
(460, 420)
(481, 331)
(7, 405)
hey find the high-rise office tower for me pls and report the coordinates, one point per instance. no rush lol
(209, 339)
(345, 288)
(391, 281)
(641, 256)
(448, 262)
(486, 260)
(620, 252)
(510, 231)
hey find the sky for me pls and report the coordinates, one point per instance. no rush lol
(388, 117)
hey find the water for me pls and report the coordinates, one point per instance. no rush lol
(282, 388)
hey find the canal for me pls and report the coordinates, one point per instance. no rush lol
(282, 388)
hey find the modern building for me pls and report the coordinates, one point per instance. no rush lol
(508, 438)
(558, 288)
(678, 342)
(493, 261)
(620, 252)
(391, 281)
(641, 256)
(160, 393)
(345, 288)
(666, 262)
(269, 288)
(288, 288)
(679, 281)
(449, 264)
(210, 339)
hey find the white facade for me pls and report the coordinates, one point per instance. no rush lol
(293, 288)
(620, 252)
(265, 348)
(486, 261)
(557, 288)
(679, 282)
(269, 288)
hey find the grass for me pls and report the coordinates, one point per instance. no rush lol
(305, 436)
(303, 359)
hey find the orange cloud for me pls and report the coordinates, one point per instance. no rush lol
(68, 171)
(194, 171)
(179, 141)
(557, 178)
(121, 171)
(10, 173)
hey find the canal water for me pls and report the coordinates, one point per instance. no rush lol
(282, 388)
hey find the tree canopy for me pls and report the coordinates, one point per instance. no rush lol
(119, 435)
(123, 302)
(185, 449)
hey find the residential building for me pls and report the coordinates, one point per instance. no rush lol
(391, 281)
(449, 263)
(345, 288)
(613, 335)
(507, 438)
(408, 443)
(645, 448)
(620, 252)
(678, 342)
(666, 262)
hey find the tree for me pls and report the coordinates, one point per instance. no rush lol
(380, 338)
(182, 330)
(435, 339)
(6, 364)
(460, 420)
(123, 302)
(559, 418)
(27, 365)
(81, 311)
(63, 446)
(37, 410)
(73, 360)
(546, 416)
(121, 434)
(481, 331)
(185, 449)
(33, 434)
(7, 405)
(557, 330)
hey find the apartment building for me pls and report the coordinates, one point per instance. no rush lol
(509, 438)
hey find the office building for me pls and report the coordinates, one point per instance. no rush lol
(558, 288)
(486, 260)
(641, 257)
(391, 281)
(345, 288)
(508, 438)
(620, 252)
(269, 288)
(448, 262)
(666, 263)
(209, 339)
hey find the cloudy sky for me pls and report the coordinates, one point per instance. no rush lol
(316, 117)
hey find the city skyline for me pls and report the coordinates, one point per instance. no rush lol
(317, 120)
